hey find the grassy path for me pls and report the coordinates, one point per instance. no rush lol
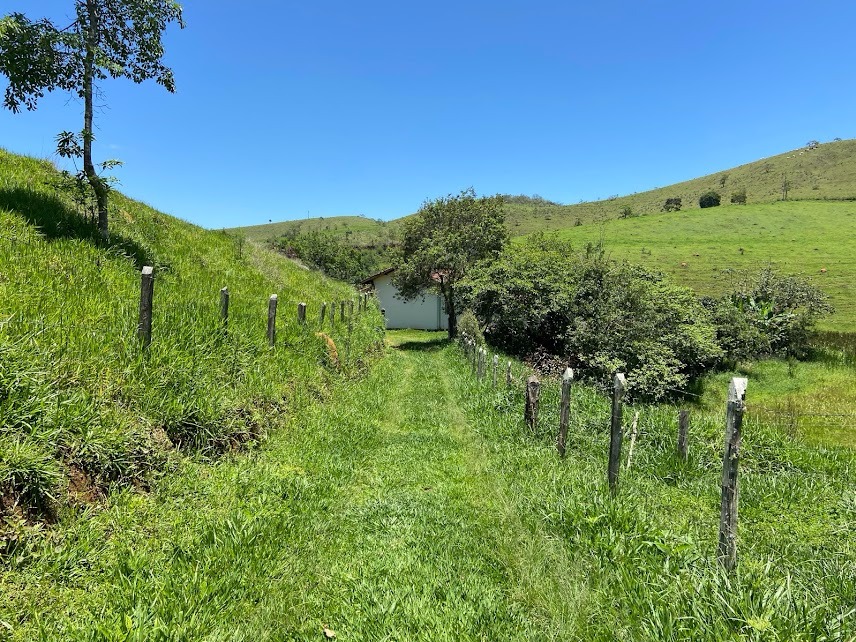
(421, 542)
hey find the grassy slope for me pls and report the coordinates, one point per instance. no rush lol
(83, 407)
(797, 237)
(355, 229)
(390, 513)
(828, 172)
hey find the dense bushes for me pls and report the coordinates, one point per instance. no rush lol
(326, 252)
(600, 315)
(739, 197)
(769, 314)
(709, 199)
(673, 204)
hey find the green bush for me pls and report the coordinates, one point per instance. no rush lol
(709, 199)
(739, 197)
(468, 325)
(324, 251)
(768, 314)
(673, 205)
(626, 212)
(599, 315)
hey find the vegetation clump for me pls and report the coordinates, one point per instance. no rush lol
(673, 204)
(739, 197)
(709, 199)
(332, 254)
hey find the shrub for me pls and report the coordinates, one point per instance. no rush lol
(739, 197)
(673, 204)
(468, 324)
(768, 314)
(626, 212)
(709, 199)
(600, 315)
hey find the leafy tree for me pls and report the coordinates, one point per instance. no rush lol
(709, 199)
(739, 197)
(673, 204)
(626, 212)
(108, 38)
(444, 240)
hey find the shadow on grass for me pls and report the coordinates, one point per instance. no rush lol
(422, 346)
(56, 220)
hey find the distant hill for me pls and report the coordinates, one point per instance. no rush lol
(827, 172)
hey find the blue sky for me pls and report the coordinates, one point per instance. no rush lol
(332, 108)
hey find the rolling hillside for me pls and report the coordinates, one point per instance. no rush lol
(825, 173)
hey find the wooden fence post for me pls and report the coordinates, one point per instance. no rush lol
(332, 314)
(495, 369)
(271, 328)
(615, 434)
(301, 313)
(224, 306)
(533, 393)
(730, 458)
(683, 429)
(383, 314)
(565, 410)
(323, 314)
(483, 363)
(508, 377)
(147, 291)
(342, 311)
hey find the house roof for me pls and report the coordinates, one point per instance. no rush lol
(371, 279)
(435, 276)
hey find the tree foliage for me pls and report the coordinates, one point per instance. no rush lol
(709, 199)
(444, 240)
(601, 316)
(108, 39)
(326, 252)
(673, 204)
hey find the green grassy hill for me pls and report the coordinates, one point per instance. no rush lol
(84, 407)
(698, 248)
(825, 173)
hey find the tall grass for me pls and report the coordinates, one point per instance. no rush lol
(80, 399)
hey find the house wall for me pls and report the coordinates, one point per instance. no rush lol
(425, 313)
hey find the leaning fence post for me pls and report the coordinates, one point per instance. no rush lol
(301, 313)
(533, 393)
(495, 369)
(730, 458)
(615, 435)
(147, 290)
(565, 410)
(271, 327)
(224, 306)
(683, 429)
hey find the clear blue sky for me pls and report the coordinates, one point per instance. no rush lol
(335, 107)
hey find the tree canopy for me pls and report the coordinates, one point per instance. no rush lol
(444, 239)
(108, 38)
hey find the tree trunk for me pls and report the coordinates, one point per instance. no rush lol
(95, 181)
(449, 295)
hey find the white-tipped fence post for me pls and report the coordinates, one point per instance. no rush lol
(147, 291)
(301, 313)
(224, 306)
(565, 411)
(495, 369)
(683, 429)
(730, 458)
(509, 379)
(533, 394)
(323, 314)
(271, 325)
(615, 433)
(383, 314)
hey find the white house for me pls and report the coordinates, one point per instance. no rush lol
(422, 313)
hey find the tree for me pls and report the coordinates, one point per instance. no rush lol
(709, 199)
(108, 38)
(673, 204)
(444, 240)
